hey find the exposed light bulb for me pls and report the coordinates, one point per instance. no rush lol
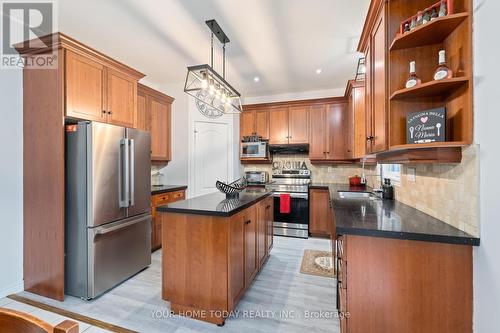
(318, 71)
(204, 81)
(217, 92)
(256, 79)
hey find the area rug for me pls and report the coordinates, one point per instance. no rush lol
(317, 263)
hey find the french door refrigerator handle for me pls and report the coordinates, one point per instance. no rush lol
(125, 175)
(132, 172)
(107, 230)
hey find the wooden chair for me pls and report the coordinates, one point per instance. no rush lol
(12, 321)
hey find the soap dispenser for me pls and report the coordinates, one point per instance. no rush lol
(387, 189)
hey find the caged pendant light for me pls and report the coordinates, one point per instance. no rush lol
(214, 96)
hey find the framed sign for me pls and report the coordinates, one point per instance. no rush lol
(426, 126)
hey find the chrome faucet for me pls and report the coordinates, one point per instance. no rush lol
(363, 176)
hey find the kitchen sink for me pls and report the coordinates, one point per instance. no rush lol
(357, 195)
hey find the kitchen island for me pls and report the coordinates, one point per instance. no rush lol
(213, 248)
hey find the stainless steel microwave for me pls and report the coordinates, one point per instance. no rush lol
(254, 149)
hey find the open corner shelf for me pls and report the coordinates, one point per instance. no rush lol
(429, 89)
(430, 33)
(445, 144)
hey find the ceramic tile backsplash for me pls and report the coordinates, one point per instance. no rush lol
(448, 192)
(319, 173)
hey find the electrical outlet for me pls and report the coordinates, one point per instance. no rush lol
(412, 174)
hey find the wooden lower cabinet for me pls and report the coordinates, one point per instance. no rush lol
(395, 285)
(210, 261)
(320, 218)
(156, 201)
(250, 220)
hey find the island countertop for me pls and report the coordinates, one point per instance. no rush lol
(389, 218)
(216, 204)
(159, 189)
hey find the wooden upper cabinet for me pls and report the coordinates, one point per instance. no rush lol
(379, 104)
(247, 124)
(337, 132)
(85, 87)
(368, 99)
(298, 124)
(317, 132)
(157, 119)
(122, 99)
(278, 125)
(142, 113)
(359, 115)
(160, 130)
(255, 122)
(262, 123)
(97, 88)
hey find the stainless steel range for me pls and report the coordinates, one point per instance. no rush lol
(291, 178)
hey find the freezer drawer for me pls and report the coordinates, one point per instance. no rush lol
(117, 251)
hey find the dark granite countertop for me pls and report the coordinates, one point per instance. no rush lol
(166, 188)
(216, 204)
(389, 218)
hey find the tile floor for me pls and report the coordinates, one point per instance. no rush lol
(281, 299)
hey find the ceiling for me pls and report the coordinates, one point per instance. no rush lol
(283, 42)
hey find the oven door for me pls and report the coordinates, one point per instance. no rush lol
(254, 150)
(295, 223)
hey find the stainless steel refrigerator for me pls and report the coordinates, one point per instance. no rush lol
(108, 217)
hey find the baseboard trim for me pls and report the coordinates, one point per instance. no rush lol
(12, 289)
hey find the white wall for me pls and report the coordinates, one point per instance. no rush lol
(294, 96)
(176, 172)
(11, 182)
(487, 113)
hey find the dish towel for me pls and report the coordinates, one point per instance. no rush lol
(285, 203)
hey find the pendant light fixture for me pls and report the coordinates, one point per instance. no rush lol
(213, 94)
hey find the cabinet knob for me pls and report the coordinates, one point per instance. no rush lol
(248, 221)
(369, 138)
(104, 111)
(268, 206)
(109, 112)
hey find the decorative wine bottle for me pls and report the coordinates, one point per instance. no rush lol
(434, 14)
(420, 18)
(413, 24)
(442, 72)
(426, 18)
(413, 79)
(443, 8)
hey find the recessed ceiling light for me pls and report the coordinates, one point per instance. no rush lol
(318, 71)
(256, 79)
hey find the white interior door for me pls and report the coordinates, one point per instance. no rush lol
(211, 156)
